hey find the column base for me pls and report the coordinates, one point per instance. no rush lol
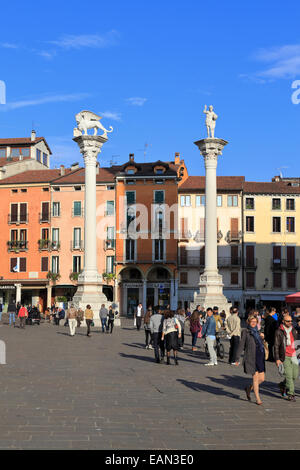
(211, 293)
(90, 294)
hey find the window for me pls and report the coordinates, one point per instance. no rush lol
(76, 264)
(249, 224)
(77, 238)
(55, 264)
(56, 189)
(56, 209)
(110, 208)
(158, 250)
(46, 189)
(277, 280)
(185, 201)
(183, 278)
(200, 201)
(14, 190)
(250, 203)
(130, 249)
(44, 264)
(232, 201)
(45, 159)
(250, 280)
(77, 188)
(18, 265)
(38, 155)
(55, 238)
(2, 153)
(77, 208)
(130, 182)
(159, 181)
(110, 264)
(291, 280)
(159, 171)
(290, 204)
(219, 201)
(159, 197)
(23, 190)
(130, 197)
(276, 204)
(45, 216)
(234, 279)
(130, 172)
(110, 237)
(290, 224)
(276, 224)
(110, 188)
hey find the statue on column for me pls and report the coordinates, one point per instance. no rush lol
(210, 121)
(88, 120)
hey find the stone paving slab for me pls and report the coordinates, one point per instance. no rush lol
(106, 392)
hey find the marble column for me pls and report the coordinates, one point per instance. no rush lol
(211, 284)
(49, 296)
(90, 284)
(18, 292)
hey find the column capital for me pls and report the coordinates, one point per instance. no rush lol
(210, 149)
(90, 146)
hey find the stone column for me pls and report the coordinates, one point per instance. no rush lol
(89, 289)
(211, 285)
(18, 292)
(145, 295)
(49, 296)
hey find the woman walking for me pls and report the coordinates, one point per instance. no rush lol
(180, 315)
(111, 319)
(195, 327)
(254, 357)
(171, 333)
(148, 329)
(89, 316)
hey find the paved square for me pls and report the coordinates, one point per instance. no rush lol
(106, 392)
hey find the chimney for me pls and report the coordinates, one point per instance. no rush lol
(62, 170)
(177, 158)
(33, 135)
(75, 166)
(131, 157)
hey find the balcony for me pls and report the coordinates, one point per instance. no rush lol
(109, 244)
(44, 244)
(77, 245)
(18, 219)
(231, 262)
(192, 261)
(144, 260)
(250, 263)
(44, 217)
(234, 236)
(289, 264)
(17, 245)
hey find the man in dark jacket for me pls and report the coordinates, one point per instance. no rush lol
(269, 332)
(285, 354)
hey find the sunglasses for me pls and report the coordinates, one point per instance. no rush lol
(288, 321)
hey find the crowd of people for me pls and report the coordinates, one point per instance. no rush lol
(268, 336)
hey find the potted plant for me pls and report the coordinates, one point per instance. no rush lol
(53, 276)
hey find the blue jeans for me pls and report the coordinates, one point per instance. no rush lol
(12, 318)
(194, 339)
(103, 321)
(0, 316)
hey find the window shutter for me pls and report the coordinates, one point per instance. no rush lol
(22, 265)
(45, 265)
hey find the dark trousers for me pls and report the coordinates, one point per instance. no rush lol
(158, 344)
(234, 344)
(138, 322)
(111, 324)
(88, 324)
(148, 335)
(22, 322)
(194, 338)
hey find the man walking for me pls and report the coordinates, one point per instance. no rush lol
(11, 310)
(233, 328)
(103, 314)
(269, 331)
(139, 315)
(72, 320)
(209, 333)
(285, 353)
(156, 325)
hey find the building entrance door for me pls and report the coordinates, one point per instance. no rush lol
(163, 297)
(132, 300)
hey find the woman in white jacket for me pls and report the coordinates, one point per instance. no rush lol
(171, 333)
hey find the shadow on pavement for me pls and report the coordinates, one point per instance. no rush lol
(140, 358)
(199, 387)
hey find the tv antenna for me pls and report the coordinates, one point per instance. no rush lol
(281, 168)
(145, 150)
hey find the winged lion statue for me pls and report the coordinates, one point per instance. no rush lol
(89, 120)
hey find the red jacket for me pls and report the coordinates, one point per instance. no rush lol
(23, 312)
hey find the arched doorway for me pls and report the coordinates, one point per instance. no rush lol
(131, 284)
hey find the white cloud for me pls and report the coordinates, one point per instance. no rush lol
(44, 100)
(136, 101)
(87, 40)
(111, 115)
(283, 63)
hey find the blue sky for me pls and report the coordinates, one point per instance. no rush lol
(149, 68)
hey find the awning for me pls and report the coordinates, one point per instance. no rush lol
(275, 297)
(293, 298)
